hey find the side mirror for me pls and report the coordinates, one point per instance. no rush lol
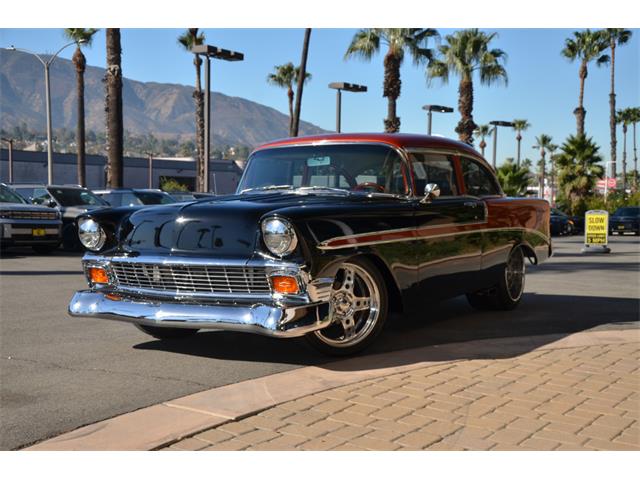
(431, 191)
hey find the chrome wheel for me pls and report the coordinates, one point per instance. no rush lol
(514, 274)
(354, 307)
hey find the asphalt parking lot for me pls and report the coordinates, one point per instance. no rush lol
(58, 373)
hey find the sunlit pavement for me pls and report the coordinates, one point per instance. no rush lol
(59, 373)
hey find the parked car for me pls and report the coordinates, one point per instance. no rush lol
(561, 223)
(128, 197)
(23, 224)
(325, 236)
(69, 200)
(578, 224)
(182, 196)
(625, 220)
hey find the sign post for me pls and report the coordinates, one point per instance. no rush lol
(596, 232)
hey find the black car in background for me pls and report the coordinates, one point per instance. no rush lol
(23, 224)
(561, 223)
(625, 220)
(69, 200)
(131, 197)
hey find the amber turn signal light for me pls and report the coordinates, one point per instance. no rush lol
(284, 284)
(98, 275)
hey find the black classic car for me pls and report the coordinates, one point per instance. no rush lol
(69, 200)
(119, 197)
(625, 220)
(325, 237)
(23, 224)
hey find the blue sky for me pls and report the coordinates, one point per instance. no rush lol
(543, 86)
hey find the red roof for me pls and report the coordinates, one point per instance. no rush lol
(400, 140)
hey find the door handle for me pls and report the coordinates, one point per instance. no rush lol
(470, 204)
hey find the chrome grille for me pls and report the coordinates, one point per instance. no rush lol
(193, 279)
(30, 215)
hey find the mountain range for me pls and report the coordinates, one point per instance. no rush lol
(163, 109)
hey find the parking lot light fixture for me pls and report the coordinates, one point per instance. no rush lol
(347, 87)
(209, 52)
(46, 64)
(434, 108)
(496, 124)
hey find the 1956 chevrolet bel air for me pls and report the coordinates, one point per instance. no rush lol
(325, 237)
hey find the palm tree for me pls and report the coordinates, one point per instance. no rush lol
(614, 37)
(520, 125)
(543, 142)
(283, 77)
(579, 168)
(513, 178)
(302, 78)
(625, 118)
(465, 52)
(552, 158)
(82, 36)
(366, 43)
(585, 46)
(636, 119)
(113, 108)
(190, 38)
(482, 132)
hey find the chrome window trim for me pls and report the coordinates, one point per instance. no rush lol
(400, 151)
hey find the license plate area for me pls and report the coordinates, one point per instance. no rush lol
(38, 232)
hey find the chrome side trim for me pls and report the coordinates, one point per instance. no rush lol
(324, 245)
(261, 319)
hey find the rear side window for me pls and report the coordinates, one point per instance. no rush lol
(434, 168)
(478, 180)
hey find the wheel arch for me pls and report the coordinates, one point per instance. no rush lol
(396, 303)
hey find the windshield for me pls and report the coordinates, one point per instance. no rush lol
(352, 167)
(155, 198)
(9, 196)
(71, 197)
(628, 212)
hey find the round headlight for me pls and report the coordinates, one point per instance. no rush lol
(91, 235)
(279, 236)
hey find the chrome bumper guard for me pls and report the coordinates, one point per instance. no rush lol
(273, 321)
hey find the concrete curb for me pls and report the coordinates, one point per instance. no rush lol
(158, 425)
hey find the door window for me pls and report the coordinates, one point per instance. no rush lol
(434, 168)
(478, 180)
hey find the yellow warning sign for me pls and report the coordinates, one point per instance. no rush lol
(596, 227)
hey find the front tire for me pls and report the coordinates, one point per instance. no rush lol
(506, 295)
(358, 307)
(167, 333)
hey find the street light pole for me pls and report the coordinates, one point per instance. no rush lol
(434, 108)
(348, 87)
(150, 169)
(46, 65)
(209, 51)
(496, 124)
(10, 142)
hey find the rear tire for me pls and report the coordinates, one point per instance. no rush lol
(359, 308)
(167, 333)
(506, 295)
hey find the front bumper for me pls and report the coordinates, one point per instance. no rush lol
(273, 321)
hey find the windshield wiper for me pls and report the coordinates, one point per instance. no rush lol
(266, 187)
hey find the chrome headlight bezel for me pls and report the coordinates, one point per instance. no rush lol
(91, 234)
(279, 236)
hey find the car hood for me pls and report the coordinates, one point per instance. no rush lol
(71, 213)
(625, 219)
(225, 226)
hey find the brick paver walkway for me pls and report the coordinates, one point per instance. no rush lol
(584, 398)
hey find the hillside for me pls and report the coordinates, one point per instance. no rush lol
(160, 108)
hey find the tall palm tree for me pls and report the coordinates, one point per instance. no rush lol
(585, 46)
(190, 38)
(625, 118)
(283, 77)
(482, 132)
(614, 37)
(579, 168)
(82, 36)
(466, 52)
(302, 78)
(513, 178)
(636, 119)
(519, 125)
(552, 171)
(398, 41)
(113, 108)
(543, 142)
